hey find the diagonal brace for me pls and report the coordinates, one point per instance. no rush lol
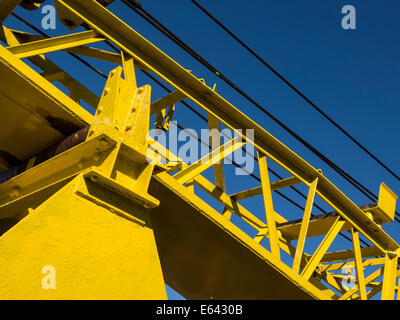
(322, 248)
(209, 160)
(35, 48)
(304, 226)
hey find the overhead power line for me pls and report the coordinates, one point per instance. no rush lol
(137, 7)
(290, 85)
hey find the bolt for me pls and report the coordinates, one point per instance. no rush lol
(15, 192)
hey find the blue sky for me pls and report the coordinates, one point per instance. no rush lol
(353, 75)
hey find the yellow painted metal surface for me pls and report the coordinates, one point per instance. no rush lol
(38, 118)
(97, 254)
(385, 210)
(204, 256)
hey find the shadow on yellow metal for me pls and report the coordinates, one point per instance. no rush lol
(98, 251)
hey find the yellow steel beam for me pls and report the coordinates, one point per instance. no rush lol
(43, 100)
(215, 141)
(96, 54)
(166, 101)
(6, 7)
(398, 288)
(359, 264)
(322, 248)
(207, 161)
(334, 281)
(225, 199)
(367, 252)
(164, 118)
(341, 265)
(103, 21)
(129, 71)
(193, 211)
(317, 226)
(304, 227)
(35, 48)
(69, 163)
(375, 290)
(64, 232)
(350, 293)
(277, 185)
(268, 206)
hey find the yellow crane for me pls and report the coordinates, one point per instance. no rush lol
(79, 193)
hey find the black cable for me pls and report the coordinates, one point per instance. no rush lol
(290, 85)
(159, 26)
